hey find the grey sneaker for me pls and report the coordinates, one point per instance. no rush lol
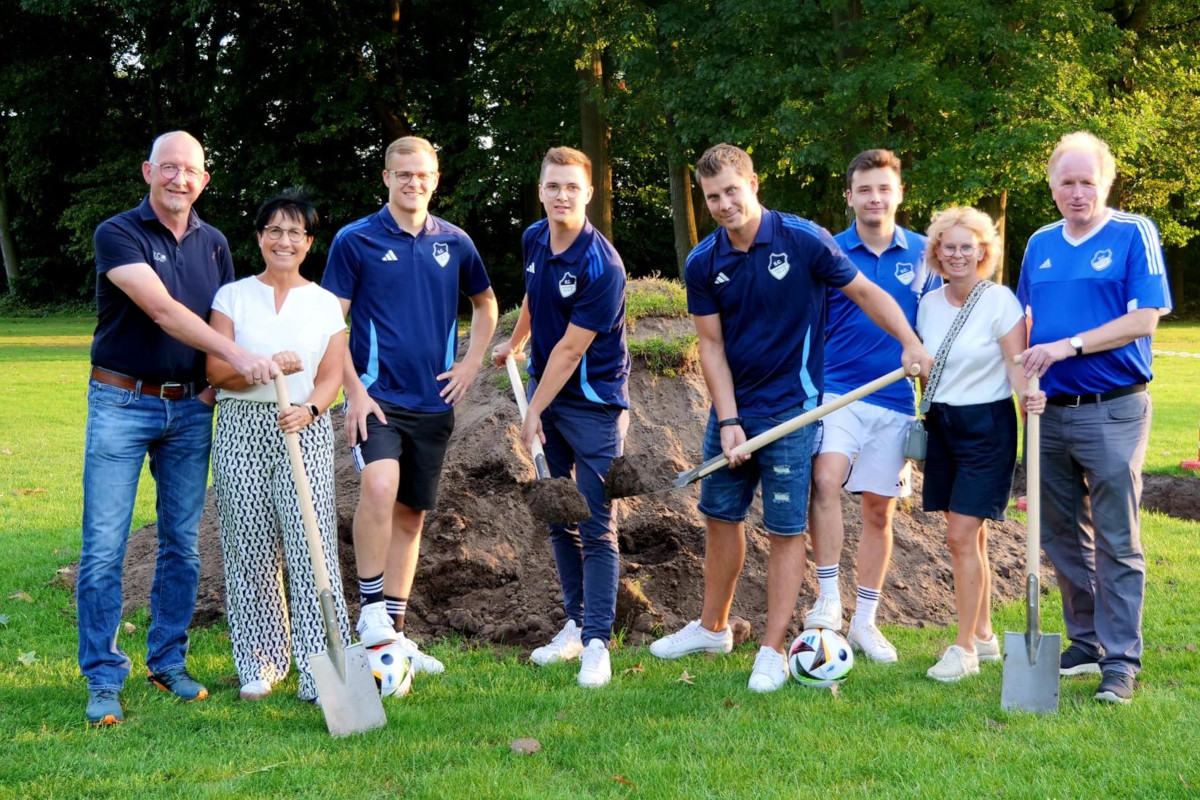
(1115, 687)
(693, 638)
(825, 613)
(104, 707)
(1074, 661)
(955, 665)
(179, 682)
(565, 646)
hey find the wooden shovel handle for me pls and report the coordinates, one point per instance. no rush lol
(1033, 487)
(514, 378)
(312, 533)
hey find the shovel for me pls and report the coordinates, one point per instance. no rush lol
(1031, 658)
(345, 685)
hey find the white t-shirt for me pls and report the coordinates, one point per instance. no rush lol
(308, 318)
(974, 371)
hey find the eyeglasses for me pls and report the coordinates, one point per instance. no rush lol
(275, 233)
(555, 189)
(966, 250)
(405, 178)
(171, 171)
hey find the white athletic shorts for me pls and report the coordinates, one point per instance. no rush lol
(872, 437)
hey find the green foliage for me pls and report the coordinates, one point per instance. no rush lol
(655, 297)
(670, 357)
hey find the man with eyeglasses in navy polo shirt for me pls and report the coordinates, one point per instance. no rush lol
(756, 291)
(398, 274)
(1096, 284)
(861, 446)
(158, 267)
(574, 313)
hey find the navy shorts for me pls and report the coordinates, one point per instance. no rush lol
(418, 441)
(970, 459)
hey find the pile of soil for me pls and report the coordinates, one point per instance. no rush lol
(486, 569)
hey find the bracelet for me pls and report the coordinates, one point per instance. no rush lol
(729, 423)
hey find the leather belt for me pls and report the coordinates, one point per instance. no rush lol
(1076, 400)
(165, 391)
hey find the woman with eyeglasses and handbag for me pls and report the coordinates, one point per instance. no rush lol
(975, 327)
(262, 532)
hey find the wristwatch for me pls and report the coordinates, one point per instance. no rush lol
(312, 409)
(1077, 343)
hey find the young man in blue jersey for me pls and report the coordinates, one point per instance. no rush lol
(756, 292)
(398, 274)
(861, 446)
(574, 315)
(1096, 284)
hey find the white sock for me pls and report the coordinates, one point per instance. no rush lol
(827, 580)
(866, 605)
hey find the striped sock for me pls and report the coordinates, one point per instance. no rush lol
(396, 607)
(827, 580)
(868, 603)
(370, 590)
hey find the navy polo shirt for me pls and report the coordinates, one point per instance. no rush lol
(584, 285)
(192, 269)
(1074, 285)
(857, 350)
(772, 306)
(403, 293)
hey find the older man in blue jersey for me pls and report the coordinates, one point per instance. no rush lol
(398, 274)
(574, 314)
(1096, 284)
(862, 445)
(756, 292)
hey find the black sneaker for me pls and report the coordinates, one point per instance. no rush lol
(1075, 661)
(179, 682)
(1115, 687)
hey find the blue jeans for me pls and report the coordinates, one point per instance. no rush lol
(586, 437)
(124, 427)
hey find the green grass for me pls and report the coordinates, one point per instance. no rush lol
(888, 733)
(670, 357)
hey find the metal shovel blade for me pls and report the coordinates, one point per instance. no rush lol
(1031, 678)
(349, 696)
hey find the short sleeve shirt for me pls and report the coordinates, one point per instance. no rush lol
(127, 341)
(1074, 285)
(403, 291)
(585, 286)
(304, 324)
(857, 350)
(771, 301)
(974, 371)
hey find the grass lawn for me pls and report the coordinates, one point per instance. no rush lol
(889, 732)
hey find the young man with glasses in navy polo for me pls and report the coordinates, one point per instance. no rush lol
(398, 274)
(574, 314)
(158, 267)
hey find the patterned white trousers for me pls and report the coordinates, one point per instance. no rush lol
(262, 531)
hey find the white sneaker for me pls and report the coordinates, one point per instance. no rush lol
(955, 665)
(988, 649)
(869, 640)
(254, 690)
(770, 670)
(565, 646)
(375, 625)
(421, 662)
(693, 638)
(595, 667)
(825, 613)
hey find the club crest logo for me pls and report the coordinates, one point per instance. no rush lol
(160, 257)
(532, 268)
(441, 253)
(566, 287)
(778, 266)
(1101, 260)
(905, 272)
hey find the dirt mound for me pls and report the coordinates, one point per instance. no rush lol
(1178, 496)
(486, 568)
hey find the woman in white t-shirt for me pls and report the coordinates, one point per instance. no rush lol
(972, 423)
(277, 311)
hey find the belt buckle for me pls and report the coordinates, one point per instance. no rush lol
(162, 390)
(1077, 402)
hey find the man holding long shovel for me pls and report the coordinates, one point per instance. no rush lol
(756, 294)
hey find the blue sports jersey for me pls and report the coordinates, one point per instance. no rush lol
(403, 291)
(772, 306)
(1072, 286)
(584, 285)
(857, 350)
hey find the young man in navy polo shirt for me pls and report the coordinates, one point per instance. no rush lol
(756, 291)
(862, 445)
(574, 313)
(398, 273)
(1096, 284)
(158, 267)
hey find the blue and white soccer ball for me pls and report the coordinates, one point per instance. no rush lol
(392, 669)
(820, 657)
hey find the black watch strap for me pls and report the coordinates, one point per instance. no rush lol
(729, 423)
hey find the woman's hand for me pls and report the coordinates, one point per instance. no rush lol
(294, 419)
(1033, 402)
(288, 361)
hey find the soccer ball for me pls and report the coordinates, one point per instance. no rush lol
(820, 657)
(391, 668)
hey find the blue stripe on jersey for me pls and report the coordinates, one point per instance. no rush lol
(1149, 236)
(452, 346)
(348, 229)
(595, 267)
(800, 224)
(810, 388)
(372, 373)
(588, 391)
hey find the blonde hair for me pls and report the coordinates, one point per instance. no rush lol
(977, 223)
(568, 157)
(409, 144)
(722, 155)
(1085, 142)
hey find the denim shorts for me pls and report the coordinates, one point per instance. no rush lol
(784, 467)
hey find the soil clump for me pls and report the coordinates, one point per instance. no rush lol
(555, 500)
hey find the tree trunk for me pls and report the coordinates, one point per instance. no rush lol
(8, 246)
(703, 220)
(596, 137)
(996, 207)
(531, 206)
(681, 214)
